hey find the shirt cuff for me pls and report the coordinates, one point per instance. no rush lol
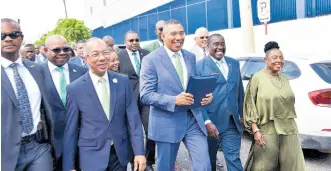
(207, 122)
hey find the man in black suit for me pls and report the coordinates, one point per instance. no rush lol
(130, 60)
(58, 74)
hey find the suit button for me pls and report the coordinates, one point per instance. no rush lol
(18, 144)
(109, 138)
(19, 122)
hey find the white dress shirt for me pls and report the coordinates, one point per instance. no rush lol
(98, 86)
(30, 85)
(173, 60)
(132, 58)
(160, 43)
(56, 75)
(222, 66)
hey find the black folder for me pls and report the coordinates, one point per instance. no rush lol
(199, 87)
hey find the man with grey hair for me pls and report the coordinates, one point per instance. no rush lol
(200, 48)
(111, 43)
(159, 42)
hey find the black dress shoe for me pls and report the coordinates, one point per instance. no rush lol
(149, 168)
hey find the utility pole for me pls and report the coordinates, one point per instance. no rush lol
(65, 8)
(247, 26)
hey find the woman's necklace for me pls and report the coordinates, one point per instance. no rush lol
(278, 83)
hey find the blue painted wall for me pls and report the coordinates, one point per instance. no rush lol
(212, 14)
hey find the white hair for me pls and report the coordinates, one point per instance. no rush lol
(197, 32)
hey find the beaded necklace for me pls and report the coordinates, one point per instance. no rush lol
(278, 83)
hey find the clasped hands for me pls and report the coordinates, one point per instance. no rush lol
(186, 99)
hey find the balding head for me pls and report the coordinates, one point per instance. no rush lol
(57, 50)
(109, 41)
(97, 56)
(54, 38)
(11, 21)
(201, 36)
(11, 39)
(159, 29)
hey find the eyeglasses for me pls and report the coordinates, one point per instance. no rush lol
(161, 29)
(58, 50)
(204, 37)
(12, 35)
(134, 40)
(96, 55)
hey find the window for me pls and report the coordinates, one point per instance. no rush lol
(291, 70)
(196, 17)
(323, 70)
(217, 15)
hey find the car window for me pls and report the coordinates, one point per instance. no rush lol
(323, 70)
(291, 70)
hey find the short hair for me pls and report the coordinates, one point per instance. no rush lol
(212, 36)
(197, 32)
(29, 45)
(170, 22)
(81, 41)
(85, 51)
(107, 38)
(9, 20)
(161, 21)
(130, 32)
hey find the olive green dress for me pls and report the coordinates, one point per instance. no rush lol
(269, 103)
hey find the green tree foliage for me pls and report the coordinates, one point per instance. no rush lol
(72, 29)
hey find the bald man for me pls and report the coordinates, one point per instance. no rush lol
(102, 104)
(58, 74)
(200, 48)
(111, 43)
(159, 42)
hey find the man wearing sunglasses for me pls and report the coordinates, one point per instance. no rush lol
(130, 62)
(26, 118)
(200, 47)
(159, 42)
(58, 74)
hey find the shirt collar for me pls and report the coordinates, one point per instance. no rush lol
(95, 78)
(160, 43)
(130, 52)
(218, 61)
(171, 53)
(5, 62)
(53, 67)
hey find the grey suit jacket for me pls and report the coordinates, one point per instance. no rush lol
(11, 129)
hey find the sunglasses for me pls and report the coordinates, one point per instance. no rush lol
(134, 40)
(12, 35)
(161, 29)
(58, 50)
(204, 37)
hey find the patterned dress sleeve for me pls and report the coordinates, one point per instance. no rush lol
(251, 114)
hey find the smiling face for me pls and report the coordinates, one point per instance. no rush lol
(274, 60)
(98, 56)
(57, 50)
(217, 47)
(11, 44)
(173, 37)
(113, 62)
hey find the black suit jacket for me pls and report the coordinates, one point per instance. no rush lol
(58, 109)
(127, 68)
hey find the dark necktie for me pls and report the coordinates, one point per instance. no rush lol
(23, 102)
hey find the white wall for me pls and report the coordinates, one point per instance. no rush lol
(310, 36)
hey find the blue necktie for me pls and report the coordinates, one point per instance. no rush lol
(136, 61)
(23, 102)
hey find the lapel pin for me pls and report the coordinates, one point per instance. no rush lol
(32, 66)
(74, 70)
(115, 80)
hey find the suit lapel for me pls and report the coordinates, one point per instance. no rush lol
(113, 81)
(73, 74)
(35, 74)
(130, 65)
(92, 93)
(50, 82)
(170, 67)
(188, 64)
(228, 62)
(8, 87)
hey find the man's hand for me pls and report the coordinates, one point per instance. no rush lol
(184, 99)
(212, 130)
(207, 99)
(139, 163)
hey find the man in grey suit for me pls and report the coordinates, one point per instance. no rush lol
(26, 118)
(200, 47)
(159, 42)
(163, 80)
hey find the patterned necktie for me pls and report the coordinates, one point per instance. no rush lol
(23, 101)
(204, 52)
(105, 97)
(179, 68)
(63, 85)
(223, 70)
(136, 62)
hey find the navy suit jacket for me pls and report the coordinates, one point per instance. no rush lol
(96, 132)
(228, 95)
(11, 129)
(56, 104)
(76, 60)
(159, 86)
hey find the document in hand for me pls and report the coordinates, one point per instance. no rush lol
(199, 87)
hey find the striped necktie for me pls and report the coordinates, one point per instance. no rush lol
(136, 62)
(63, 85)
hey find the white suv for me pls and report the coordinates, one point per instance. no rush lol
(311, 83)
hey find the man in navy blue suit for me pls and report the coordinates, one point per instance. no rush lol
(26, 117)
(58, 74)
(224, 115)
(103, 106)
